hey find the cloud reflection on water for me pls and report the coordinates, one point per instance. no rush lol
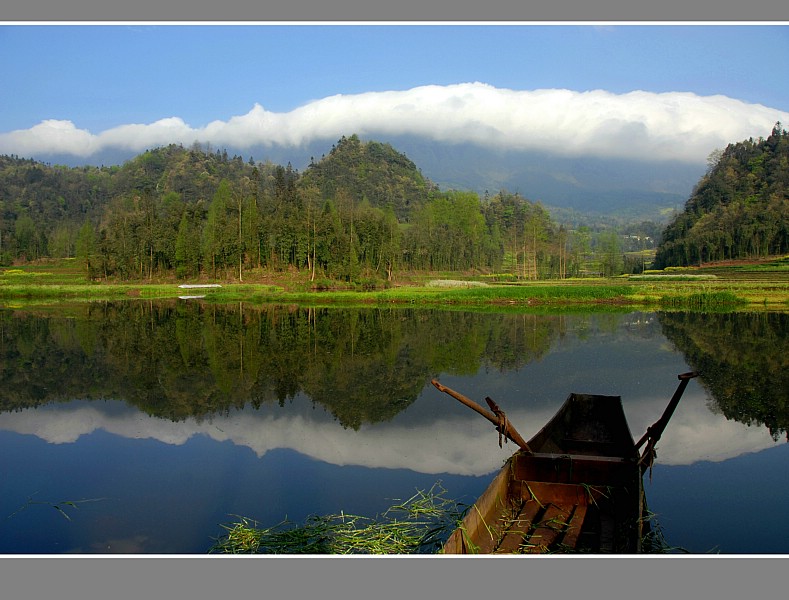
(455, 444)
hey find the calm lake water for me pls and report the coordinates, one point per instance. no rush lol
(162, 421)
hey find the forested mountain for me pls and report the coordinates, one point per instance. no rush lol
(739, 209)
(360, 213)
(370, 172)
(596, 190)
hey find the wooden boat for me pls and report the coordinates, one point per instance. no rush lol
(576, 486)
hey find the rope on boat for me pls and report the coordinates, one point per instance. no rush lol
(502, 426)
(498, 419)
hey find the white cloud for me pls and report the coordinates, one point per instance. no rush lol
(673, 125)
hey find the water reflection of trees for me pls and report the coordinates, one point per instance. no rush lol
(743, 359)
(176, 360)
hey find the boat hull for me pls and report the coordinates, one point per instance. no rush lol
(580, 489)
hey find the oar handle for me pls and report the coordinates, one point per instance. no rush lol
(507, 429)
(654, 432)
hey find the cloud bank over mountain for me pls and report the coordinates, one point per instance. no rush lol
(674, 126)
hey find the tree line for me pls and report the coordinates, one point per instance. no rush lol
(361, 213)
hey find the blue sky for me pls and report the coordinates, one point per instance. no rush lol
(90, 80)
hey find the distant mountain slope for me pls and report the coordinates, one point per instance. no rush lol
(587, 184)
(738, 209)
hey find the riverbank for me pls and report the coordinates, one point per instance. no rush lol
(752, 286)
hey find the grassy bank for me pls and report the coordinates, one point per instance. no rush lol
(730, 287)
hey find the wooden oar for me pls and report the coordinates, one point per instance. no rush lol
(654, 432)
(497, 417)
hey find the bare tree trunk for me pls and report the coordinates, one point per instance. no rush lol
(240, 240)
(314, 248)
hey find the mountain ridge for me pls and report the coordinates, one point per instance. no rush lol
(595, 186)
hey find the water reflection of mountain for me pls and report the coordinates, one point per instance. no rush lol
(347, 376)
(743, 359)
(176, 360)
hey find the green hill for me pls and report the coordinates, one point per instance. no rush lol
(359, 214)
(739, 209)
(371, 172)
(42, 207)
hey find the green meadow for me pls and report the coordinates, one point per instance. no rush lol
(738, 286)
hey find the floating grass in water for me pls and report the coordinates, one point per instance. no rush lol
(417, 526)
(61, 506)
(654, 541)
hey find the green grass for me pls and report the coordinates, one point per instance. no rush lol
(432, 296)
(704, 301)
(780, 264)
(545, 293)
(763, 287)
(84, 291)
(669, 277)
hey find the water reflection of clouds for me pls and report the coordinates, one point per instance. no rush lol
(456, 444)
(136, 544)
(695, 433)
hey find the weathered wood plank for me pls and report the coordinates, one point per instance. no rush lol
(574, 528)
(575, 468)
(549, 530)
(512, 542)
(519, 529)
(558, 493)
(482, 523)
(584, 463)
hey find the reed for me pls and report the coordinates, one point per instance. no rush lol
(708, 300)
(654, 540)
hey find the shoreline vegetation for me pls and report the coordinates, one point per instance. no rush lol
(734, 285)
